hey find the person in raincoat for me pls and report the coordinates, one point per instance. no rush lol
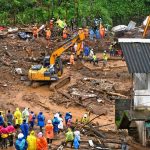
(91, 34)
(31, 140)
(1, 119)
(49, 131)
(76, 141)
(67, 117)
(4, 136)
(11, 130)
(21, 143)
(24, 128)
(105, 58)
(65, 33)
(32, 118)
(86, 51)
(41, 120)
(55, 123)
(85, 118)
(102, 31)
(41, 142)
(25, 115)
(18, 117)
(69, 137)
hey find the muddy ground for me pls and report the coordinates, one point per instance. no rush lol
(85, 81)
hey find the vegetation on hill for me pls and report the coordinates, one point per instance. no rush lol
(39, 11)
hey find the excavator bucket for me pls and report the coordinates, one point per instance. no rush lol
(60, 83)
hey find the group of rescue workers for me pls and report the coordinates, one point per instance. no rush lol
(20, 126)
(87, 52)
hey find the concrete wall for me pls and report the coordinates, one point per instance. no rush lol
(142, 97)
(141, 132)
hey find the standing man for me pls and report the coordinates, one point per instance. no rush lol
(48, 36)
(105, 58)
(31, 140)
(1, 119)
(49, 132)
(72, 59)
(41, 120)
(35, 32)
(9, 117)
(24, 128)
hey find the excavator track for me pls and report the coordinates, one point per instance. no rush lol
(60, 83)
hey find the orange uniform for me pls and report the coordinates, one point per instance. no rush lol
(86, 32)
(35, 32)
(65, 33)
(72, 59)
(102, 31)
(48, 34)
(49, 131)
(42, 143)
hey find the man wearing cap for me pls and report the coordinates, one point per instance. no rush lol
(49, 132)
(41, 142)
(31, 140)
(72, 59)
(21, 143)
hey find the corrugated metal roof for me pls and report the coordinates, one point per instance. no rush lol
(137, 55)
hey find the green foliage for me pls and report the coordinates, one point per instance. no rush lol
(111, 11)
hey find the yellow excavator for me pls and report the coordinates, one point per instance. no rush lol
(54, 70)
(147, 27)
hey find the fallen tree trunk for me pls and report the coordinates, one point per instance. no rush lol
(109, 93)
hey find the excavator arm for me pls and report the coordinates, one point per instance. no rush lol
(146, 27)
(56, 53)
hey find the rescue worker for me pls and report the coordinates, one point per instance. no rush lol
(102, 31)
(91, 55)
(31, 140)
(67, 117)
(86, 51)
(35, 32)
(72, 59)
(49, 132)
(41, 142)
(105, 58)
(91, 34)
(1, 119)
(18, 117)
(11, 130)
(65, 33)
(55, 123)
(41, 120)
(85, 118)
(76, 141)
(48, 36)
(21, 143)
(86, 32)
(24, 128)
(25, 114)
(95, 59)
(69, 137)
(51, 24)
(32, 118)
(9, 117)
(60, 126)
(75, 47)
